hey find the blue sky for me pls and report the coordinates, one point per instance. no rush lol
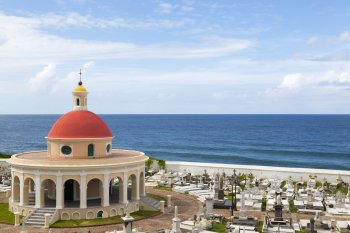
(176, 56)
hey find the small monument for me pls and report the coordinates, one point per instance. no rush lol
(278, 207)
(242, 209)
(176, 222)
(209, 207)
(128, 219)
(312, 225)
(221, 194)
(310, 198)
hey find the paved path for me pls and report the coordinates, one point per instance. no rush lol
(187, 207)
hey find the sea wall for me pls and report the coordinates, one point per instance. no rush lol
(297, 174)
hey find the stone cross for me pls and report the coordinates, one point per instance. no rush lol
(176, 222)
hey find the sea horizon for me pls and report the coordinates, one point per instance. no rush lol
(282, 140)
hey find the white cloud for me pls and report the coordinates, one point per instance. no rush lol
(166, 8)
(308, 84)
(344, 36)
(312, 40)
(44, 81)
(88, 64)
(47, 81)
(291, 81)
(42, 47)
(86, 21)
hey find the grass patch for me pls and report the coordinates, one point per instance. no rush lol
(6, 216)
(259, 227)
(163, 188)
(141, 214)
(4, 155)
(263, 204)
(219, 227)
(292, 207)
(87, 222)
(144, 214)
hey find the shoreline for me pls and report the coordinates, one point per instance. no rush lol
(260, 171)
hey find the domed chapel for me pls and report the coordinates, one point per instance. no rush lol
(79, 176)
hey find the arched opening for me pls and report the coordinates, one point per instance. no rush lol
(99, 214)
(48, 193)
(71, 193)
(78, 101)
(94, 193)
(142, 184)
(29, 192)
(91, 150)
(16, 189)
(132, 186)
(116, 189)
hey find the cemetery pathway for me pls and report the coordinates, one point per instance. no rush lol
(188, 206)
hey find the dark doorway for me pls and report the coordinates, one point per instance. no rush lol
(69, 190)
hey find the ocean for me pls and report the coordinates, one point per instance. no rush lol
(312, 141)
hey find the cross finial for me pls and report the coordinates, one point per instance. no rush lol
(80, 82)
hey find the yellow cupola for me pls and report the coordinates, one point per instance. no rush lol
(80, 88)
(80, 96)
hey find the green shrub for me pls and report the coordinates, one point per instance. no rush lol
(4, 155)
(292, 207)
(263, 204)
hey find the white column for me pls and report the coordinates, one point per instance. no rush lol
(37, 191)
(105, 190)
(137, 187)
(13, 186)
(125, 188)
(59, 192)
(21, 190)
(143, 190)
(83, 189)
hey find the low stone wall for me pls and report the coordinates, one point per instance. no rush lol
(5, 196)
(23, 210)
(93, 212)
(259, 171)
(76, 213)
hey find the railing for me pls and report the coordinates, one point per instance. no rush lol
(24, 220)
(54, 217)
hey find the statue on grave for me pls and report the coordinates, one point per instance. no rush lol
(221, 181)
(278, 208)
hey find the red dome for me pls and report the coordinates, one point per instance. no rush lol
(79, 124)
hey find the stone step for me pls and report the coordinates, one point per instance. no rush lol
(34, 223)
(152, 202)
(37, 218)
